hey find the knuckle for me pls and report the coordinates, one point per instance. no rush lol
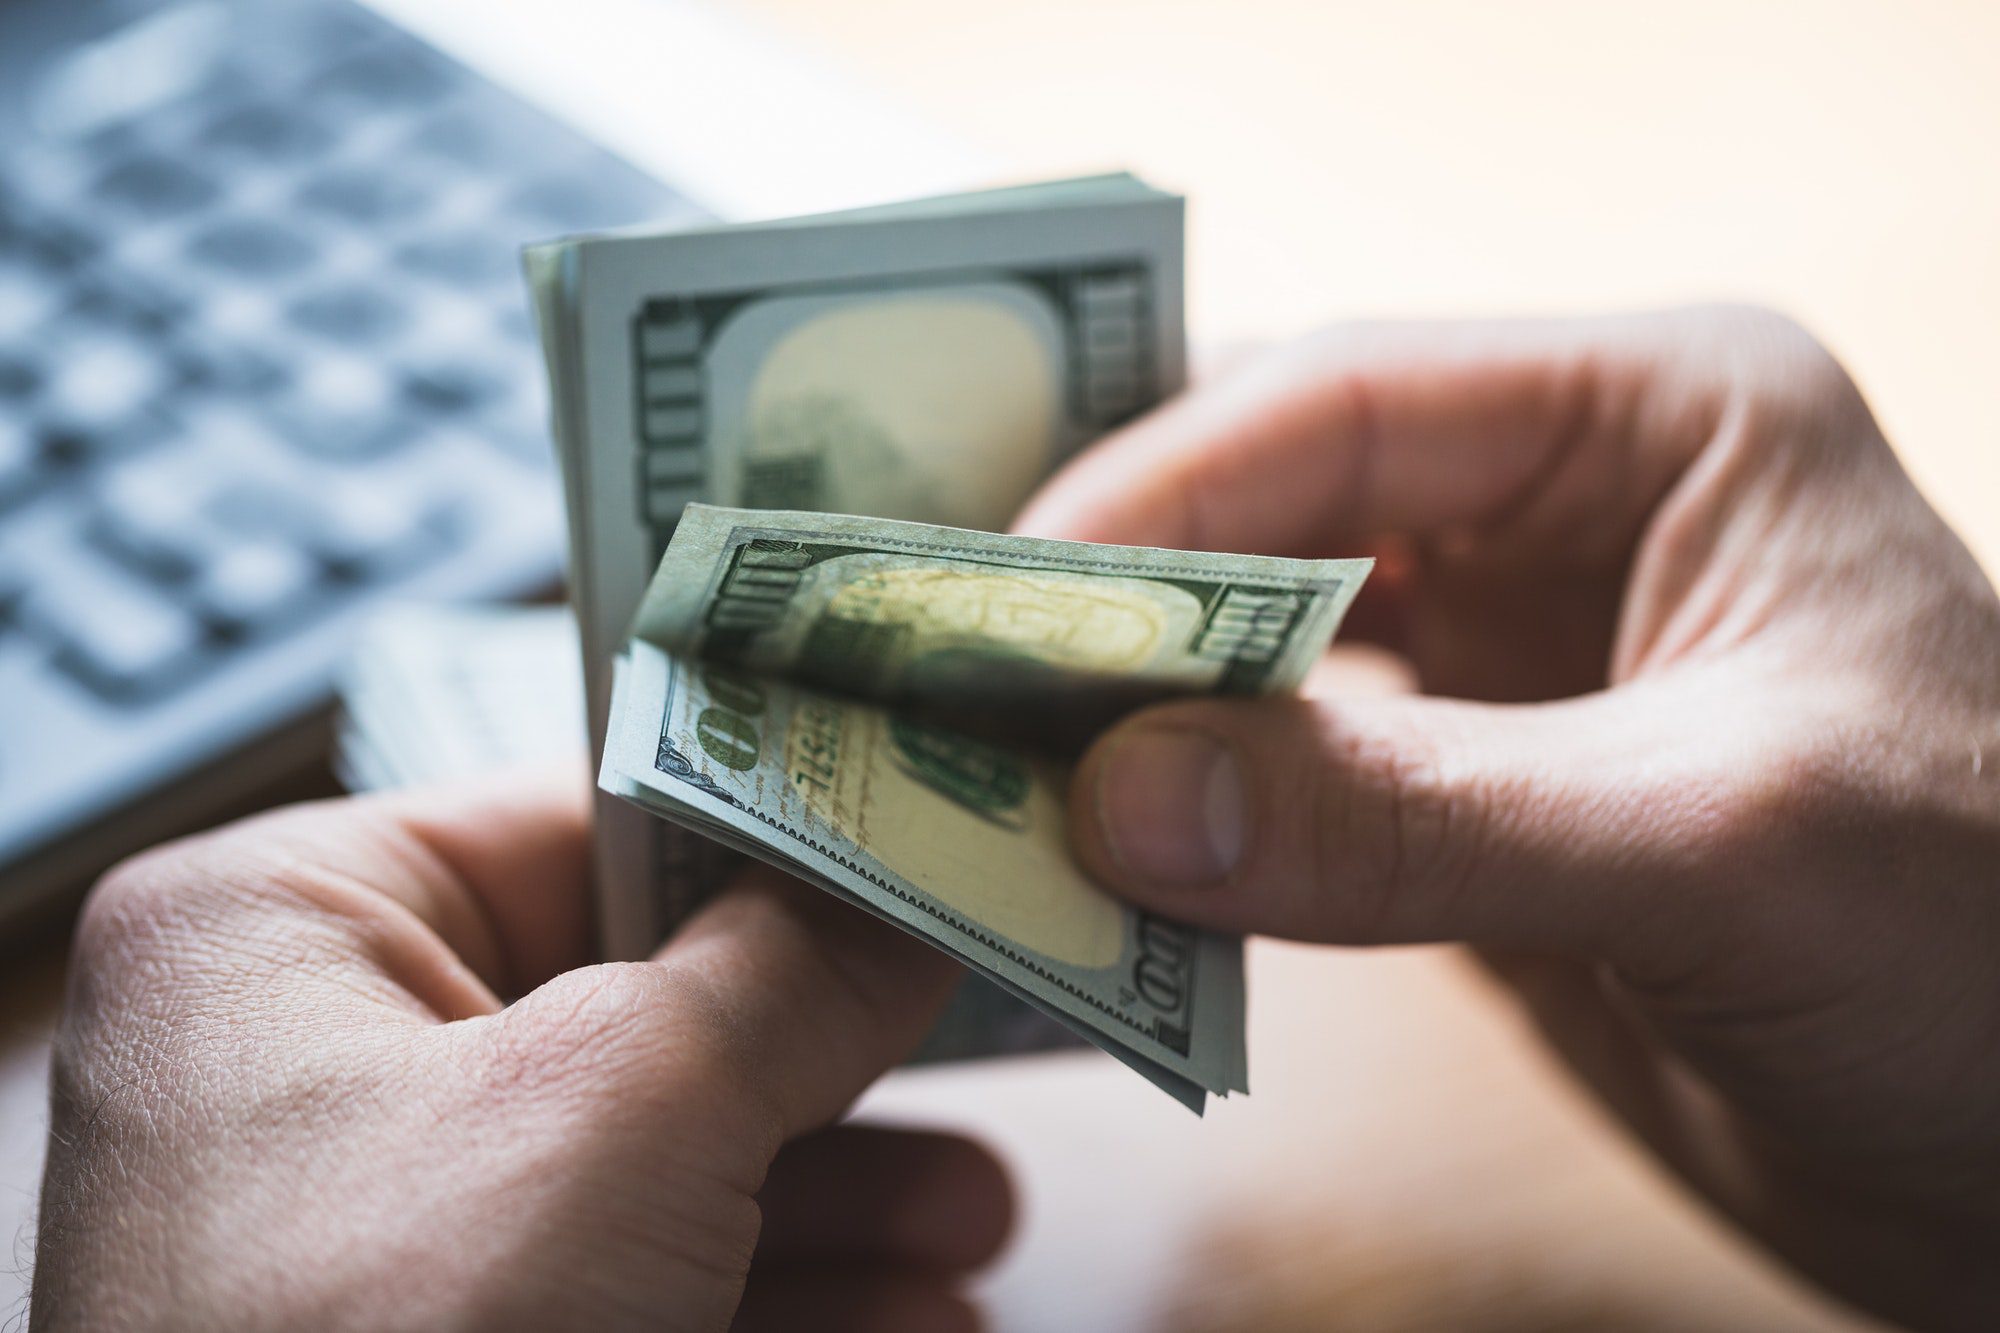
(124, 1028)
(1764, 324)
(1763, 329)
(1791, 389)
(662, 1035)
(1390, 831)
(594, 1018)
(232, 880)
(138, 899)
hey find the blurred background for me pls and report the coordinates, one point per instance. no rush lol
(1345, 160)
(1411, 1160)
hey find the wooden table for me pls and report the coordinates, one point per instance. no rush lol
(1411, 1160)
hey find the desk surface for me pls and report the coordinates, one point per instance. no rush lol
(1411, 1160)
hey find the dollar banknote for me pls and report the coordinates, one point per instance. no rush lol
(932, 360)
(814, 690)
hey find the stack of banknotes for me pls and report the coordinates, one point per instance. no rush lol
(438, 693)
(823, 674)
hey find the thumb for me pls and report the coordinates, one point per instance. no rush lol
(1397, 820)
(816, 999)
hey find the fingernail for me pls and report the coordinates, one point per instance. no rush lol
(1170, 807)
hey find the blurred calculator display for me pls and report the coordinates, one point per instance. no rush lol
(265, 362)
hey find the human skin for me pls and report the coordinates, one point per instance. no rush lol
(1706, 762)
(287, 1094)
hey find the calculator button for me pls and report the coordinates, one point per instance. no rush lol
(265, 132)
(340, 407)
(253, 248)
(452, 387)
(349, 314)
(21, 471)
(27, 298)
(100, 377)
(151, 525)
(377, 80)
(368, 198)
(366, 533)
(254, 585)
(463, 259)
(155, 186)
(115, 637)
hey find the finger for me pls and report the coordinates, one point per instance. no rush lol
(882, 1300)
(899, 1196)
(497, 868)
(806, 999)
(1381, 820)
(1537, 430)
(518, 846)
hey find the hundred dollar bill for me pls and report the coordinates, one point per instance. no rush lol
(932, 360)
(792, 688)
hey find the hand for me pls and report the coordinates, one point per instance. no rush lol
(1717, 780)
(287, 1095)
